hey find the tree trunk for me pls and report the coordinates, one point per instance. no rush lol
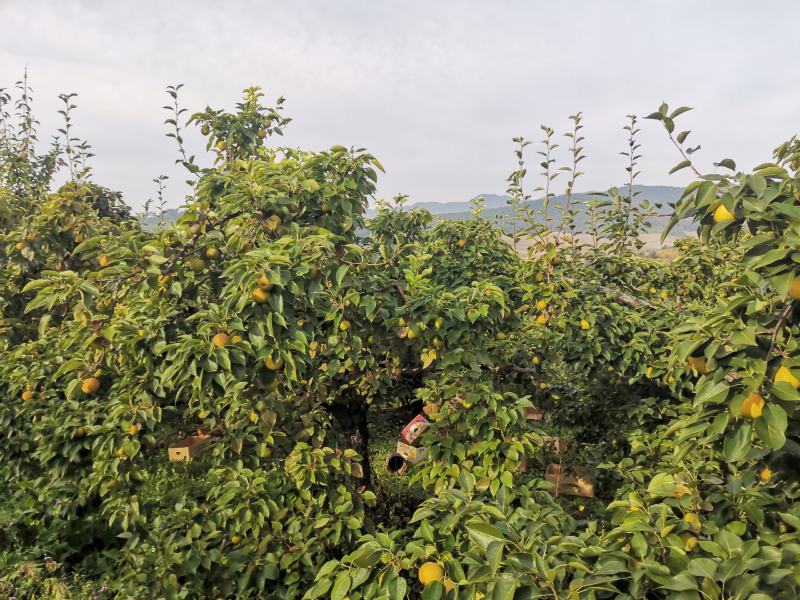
(352, 417)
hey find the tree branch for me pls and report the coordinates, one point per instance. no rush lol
(399, 288)
(684, 155)
(777, 328)
(624, 298)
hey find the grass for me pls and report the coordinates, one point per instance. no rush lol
(397, 498)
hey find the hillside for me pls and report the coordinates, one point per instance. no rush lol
(496, 207)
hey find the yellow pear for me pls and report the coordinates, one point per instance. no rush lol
(90, 385)
(259, 296)
(752, 406)
(221, 340)
(693, 519)
(794, 289)
(430, 572)
(196, 264)
(273, 364)
(785, 374)
(722, 214)
(264, 283)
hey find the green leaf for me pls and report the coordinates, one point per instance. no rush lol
(662, 484)
(785, 208)
(341, 272)
(397, 588)
(681, 582)
(494, 555)
(679, 111)
(504, 588)
(681, 165)
(360, 576)
(318, 590)
(69, 366)
(783, 390)
(773, 171)
(702, 567)
(706, 194)
(790, 520)
(367, 556)
(771, 426)
(427, 532)
(521, 562)
(483, 534)
(781, 283)
(737, 444)
(769, 257)
(639, 545)
(36, 284)
(758, 184)
(709, 392)
(433, 591)
(754, 513)
(328, 568)
(727, 163)
(719, 424)
(341, 586)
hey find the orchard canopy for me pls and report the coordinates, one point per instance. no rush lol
(280, 320)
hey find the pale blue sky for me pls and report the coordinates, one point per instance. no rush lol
(435, 90)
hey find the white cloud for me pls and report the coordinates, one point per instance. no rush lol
(435, 90)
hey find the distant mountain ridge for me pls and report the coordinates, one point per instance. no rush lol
(662, 194)
(441, 208)
(496, 207)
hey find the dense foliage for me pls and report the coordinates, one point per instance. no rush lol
(278, 318)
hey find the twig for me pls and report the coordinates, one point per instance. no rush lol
(628, 299)
(399, 288)
(684, 155)
(516, 369)
(776, 329)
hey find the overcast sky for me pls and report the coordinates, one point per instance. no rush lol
(435, 89)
